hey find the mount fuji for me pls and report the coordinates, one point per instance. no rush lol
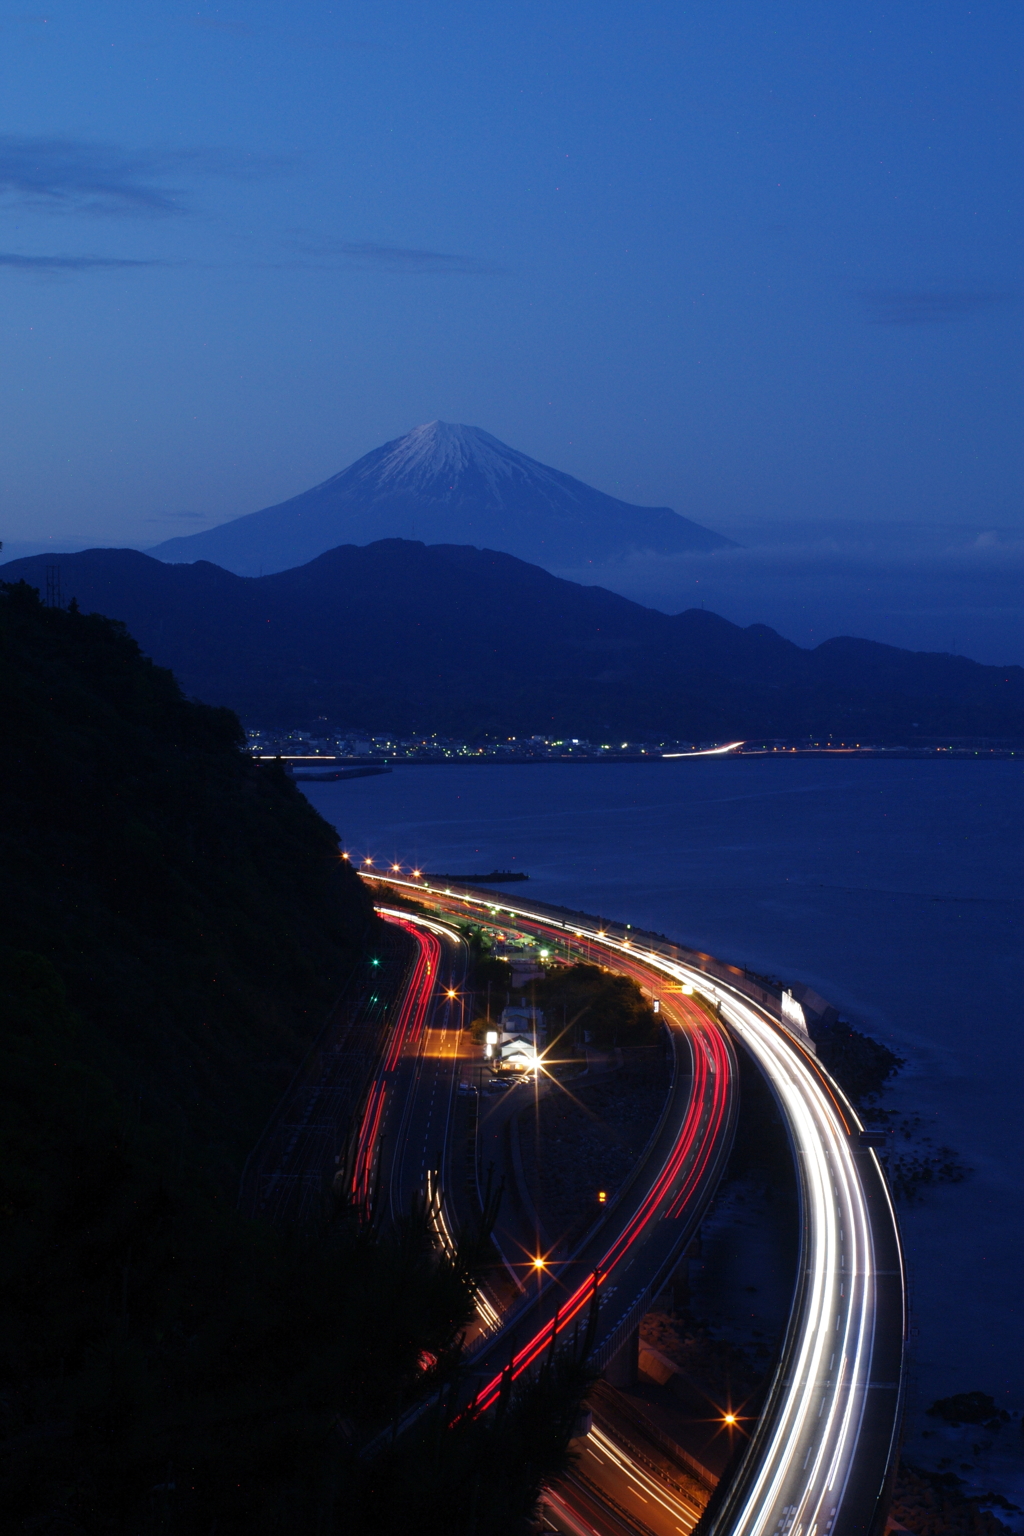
(445, 484)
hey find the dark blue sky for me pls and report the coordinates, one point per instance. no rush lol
(759, 262)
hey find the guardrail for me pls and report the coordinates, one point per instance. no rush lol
(840, 1485)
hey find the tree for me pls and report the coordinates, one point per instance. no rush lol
(610, 1007)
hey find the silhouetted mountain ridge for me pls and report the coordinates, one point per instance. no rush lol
(405, 637)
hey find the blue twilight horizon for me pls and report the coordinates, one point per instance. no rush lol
(760, 264)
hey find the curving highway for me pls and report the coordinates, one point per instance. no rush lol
(627, 1257)
(404, 1129)
(634, 1248)
(820, 1458)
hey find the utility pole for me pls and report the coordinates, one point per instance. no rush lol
(54, 598)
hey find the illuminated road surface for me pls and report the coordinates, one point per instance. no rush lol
(633, 1247)
(640, 1239)
(609, 1482)
(406, 1120)
(818, 1461)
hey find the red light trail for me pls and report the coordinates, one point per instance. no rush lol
(698, 1137)
(407, 1028)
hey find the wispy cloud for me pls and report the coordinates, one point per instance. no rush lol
(370, 256)
(355, 257)
(77, 176)
(69, 263)
(928, 306)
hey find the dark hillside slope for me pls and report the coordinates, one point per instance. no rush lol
(176, 922)
(175, 927)
(194, 907)
(405, 637)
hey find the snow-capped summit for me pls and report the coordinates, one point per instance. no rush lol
(444, 483)
(443, 450)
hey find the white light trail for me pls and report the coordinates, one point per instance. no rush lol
(490, 1319)
(798, 1469)
(730, 746)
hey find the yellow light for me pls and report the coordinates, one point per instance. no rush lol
(367, 861)
(730, 1418)
(417, 875)
(538, 1263)
(601, 1197)
(450, 992)
(344, 855)
(396, 868)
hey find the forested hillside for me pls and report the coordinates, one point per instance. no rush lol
(177, 923)
(193, 906)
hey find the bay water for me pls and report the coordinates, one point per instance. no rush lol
(895, 889)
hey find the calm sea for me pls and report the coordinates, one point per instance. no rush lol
(895, 889)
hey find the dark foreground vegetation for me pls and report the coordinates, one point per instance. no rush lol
(584, 1002)
(176, 927)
